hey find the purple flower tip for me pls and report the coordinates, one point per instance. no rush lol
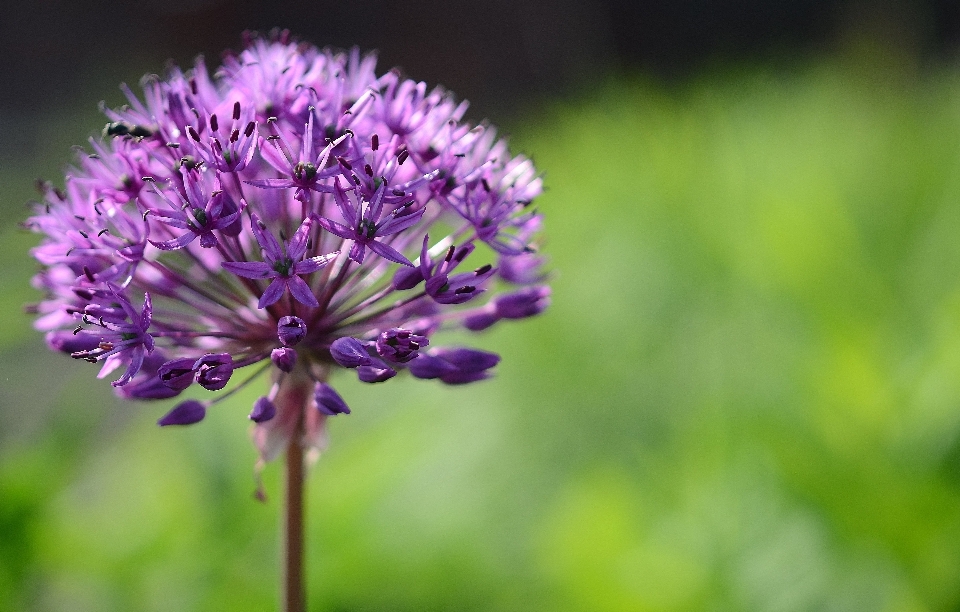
(263, 410)
(329, 401)
(349, 352)
(284, 358)
(184, 413)
(291, 330)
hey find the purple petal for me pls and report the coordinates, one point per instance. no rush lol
(272, 183)
(176, 243)
(297, 245)
(312, 264)
(388, 252)
(265, 239)
(273, 293)
(301, 291)
(335, 228)
(400, 223)
(249, 269)
(357, 251)
(184, 413)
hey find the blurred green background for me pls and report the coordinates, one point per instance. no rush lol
(746, 395)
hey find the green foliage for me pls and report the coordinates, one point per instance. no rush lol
(746, 395)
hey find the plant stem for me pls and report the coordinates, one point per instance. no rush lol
(294, 599)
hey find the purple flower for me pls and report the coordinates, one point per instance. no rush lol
(366, 198)
(120, 340)
(367, 223)
(199, 214)
(284, 268)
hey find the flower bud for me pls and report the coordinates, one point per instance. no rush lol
(177, 374)
(184, 413)
(526, 302)
(291, 330)
(329, 401)
(349, 352)
(214, 370)
(263, 410)
(284, 358)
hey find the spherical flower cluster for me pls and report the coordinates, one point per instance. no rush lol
(294, 213)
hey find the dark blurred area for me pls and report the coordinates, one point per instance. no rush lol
(495, 53)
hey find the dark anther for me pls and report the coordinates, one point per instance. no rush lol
(349, 131)
(402, 157)
(399, 193)
(344, 163)
(236, 111)
(465, 289)
(462, 253)
(459, 154)
(271, 119)
(234, 135)
(103, 231)
(79, 217)
(274, 137)
(483, 269)
(356, 179)
(77, 330)
(449, 256)
(486, 185)
(83, 233)
(173, 145)
(214, 124)
(193, 134)
(368, 169)
(249, 131)
(193, 86)
(374, 142)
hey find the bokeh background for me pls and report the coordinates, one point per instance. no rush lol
(746, 395)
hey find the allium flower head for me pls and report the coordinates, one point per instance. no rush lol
(293, 213)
